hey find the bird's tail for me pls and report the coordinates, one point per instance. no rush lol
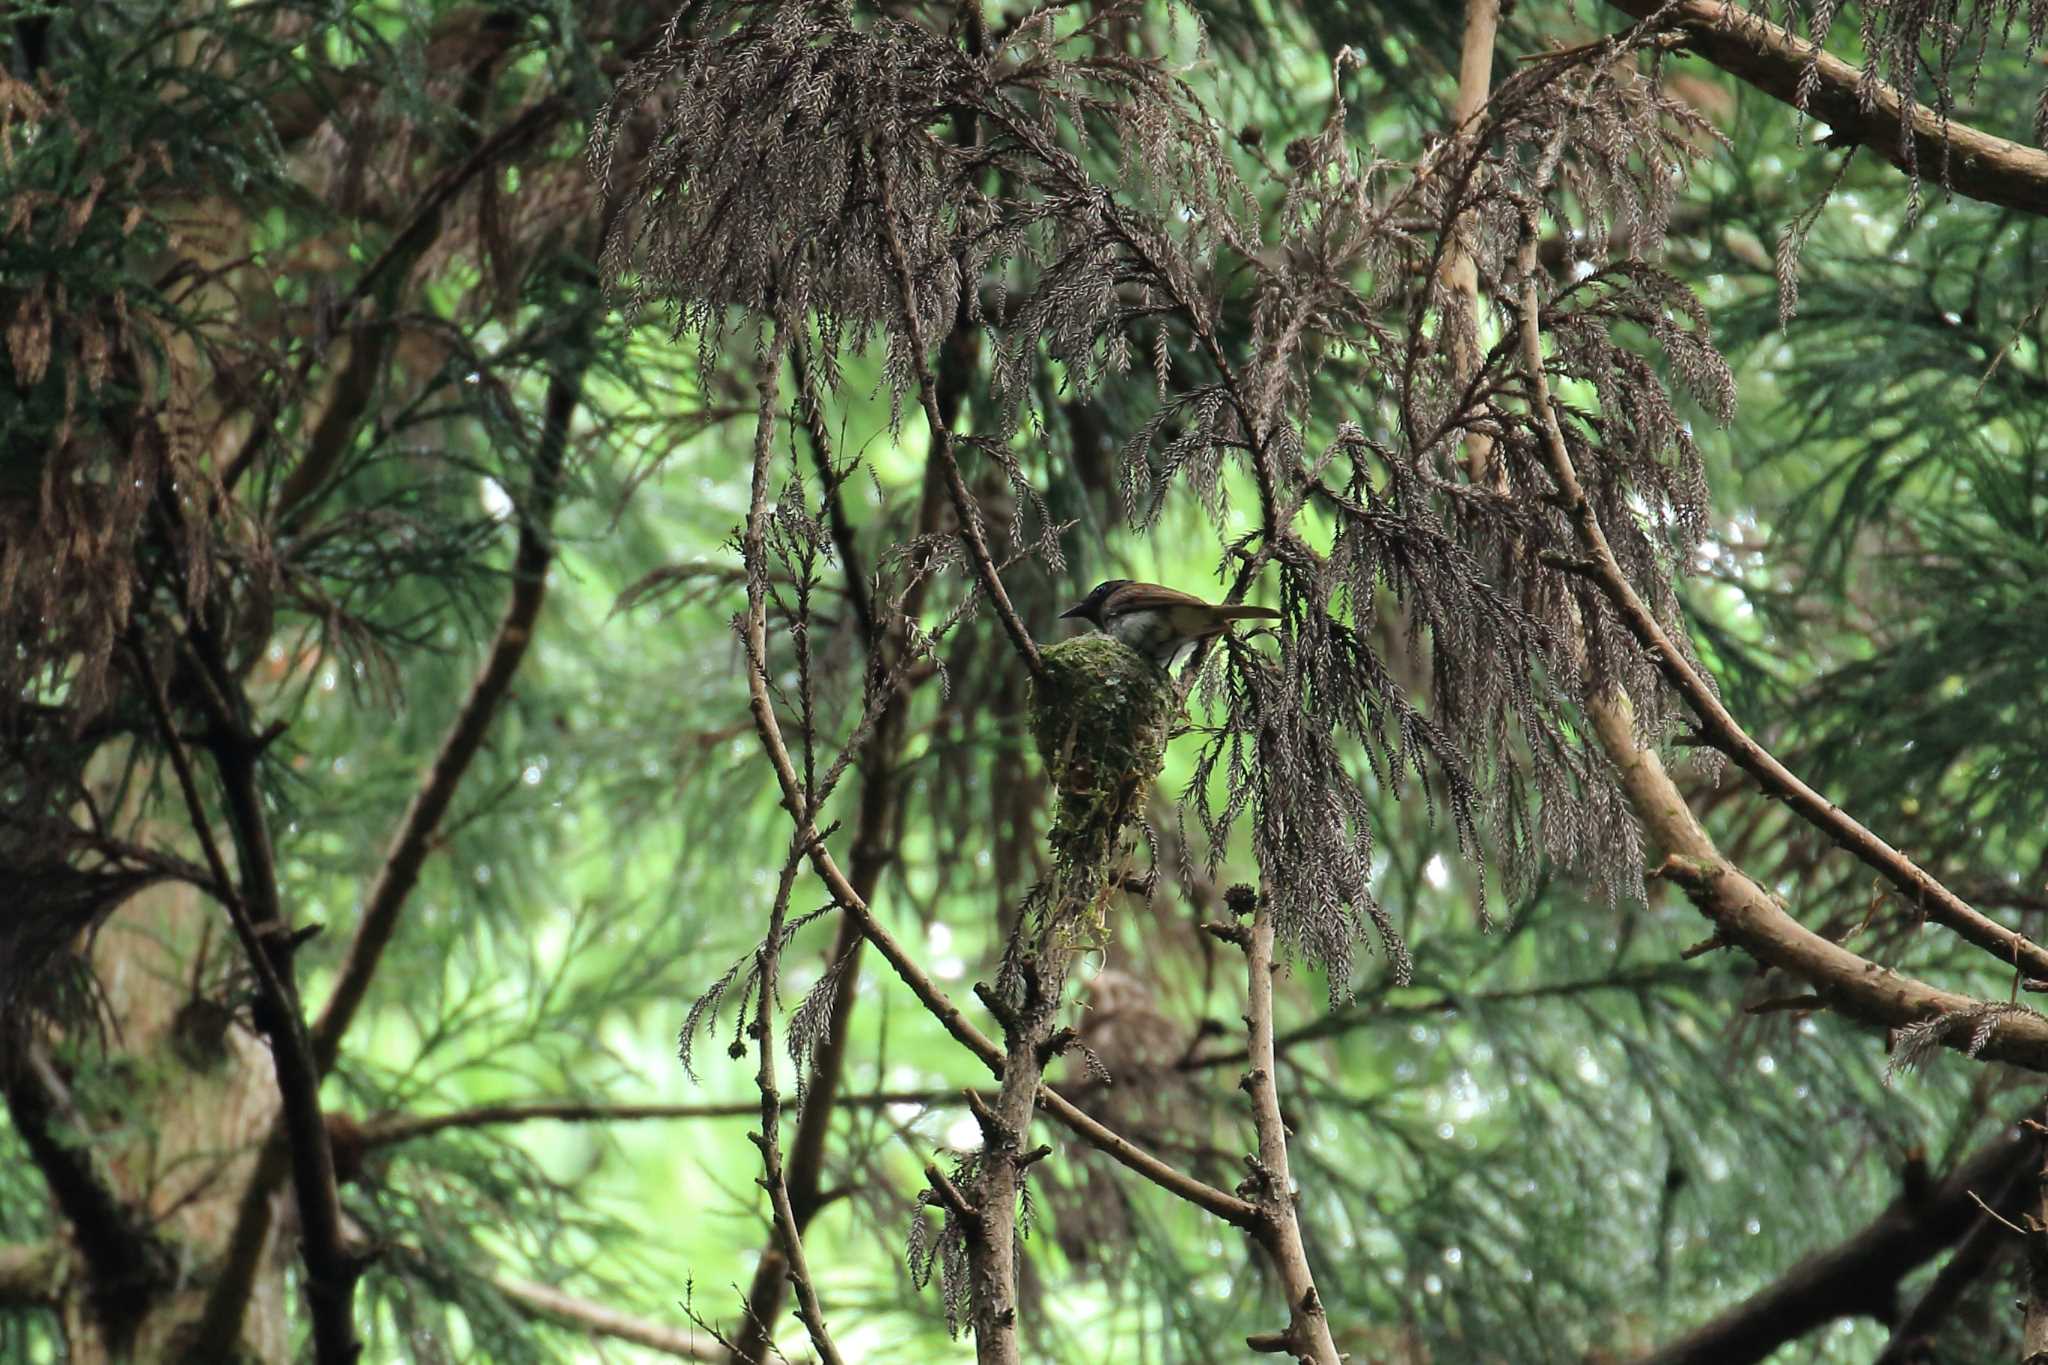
(1246, 614)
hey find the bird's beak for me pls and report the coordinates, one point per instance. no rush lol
(1079, 609)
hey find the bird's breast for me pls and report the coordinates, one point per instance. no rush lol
(1148, 632)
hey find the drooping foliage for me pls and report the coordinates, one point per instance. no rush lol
(1091, 200)
(1191, 293)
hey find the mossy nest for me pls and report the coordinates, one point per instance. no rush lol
(1100, 713)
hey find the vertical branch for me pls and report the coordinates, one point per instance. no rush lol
(1460, 272)
(1271, 1186)
(254, 909)
(844, 543)
(2034, 1322)
(874, 849)
(406, 855)
(768, 965)
(995, 1309)
(999, 1169)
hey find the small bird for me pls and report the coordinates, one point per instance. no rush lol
(1159, 622)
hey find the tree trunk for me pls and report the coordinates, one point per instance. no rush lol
(175, 1106)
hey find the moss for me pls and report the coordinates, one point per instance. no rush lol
(1101, 714)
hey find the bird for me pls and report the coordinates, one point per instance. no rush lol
(1159, 622)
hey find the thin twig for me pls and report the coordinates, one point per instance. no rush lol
(768, 964)
(395, 1131)
(1994, 1214)
(546, 1301)
(950, 1195)
(811, 411)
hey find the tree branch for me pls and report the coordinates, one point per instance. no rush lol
(844, 542)
(942, 442)
(998, 1175)
(1362, 1011)
(31, 1275)
(1743, 912)
(991, 1243)
(1746, 916)
(1981, 1249)
(874, 834)
(1475, 81)
(2033, 1213)
(126, 1262)
(768, 728)
(1718, 726)
(1859, 1276)
(342, 414)
(1307, 1336)
(1868, 113)
(545, 1301)
(407, 853)
(768, 987)
(394, 1131)
(300, 1141)
(410, 845)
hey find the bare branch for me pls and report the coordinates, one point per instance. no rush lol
(31, 1275)
(1363, 1011)
(545, 1301)
(1717, 725)
(1746, 916)
(1307, 1337)
(394, 1131)
(949, 1194)
(811, 409)
(768, 966)
(1857, 111)
(1860, 1275)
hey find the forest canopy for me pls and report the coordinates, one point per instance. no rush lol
(568, 789)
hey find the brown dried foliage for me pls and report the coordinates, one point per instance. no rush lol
(1301, 338)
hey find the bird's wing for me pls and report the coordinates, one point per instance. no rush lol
(1153, 597)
